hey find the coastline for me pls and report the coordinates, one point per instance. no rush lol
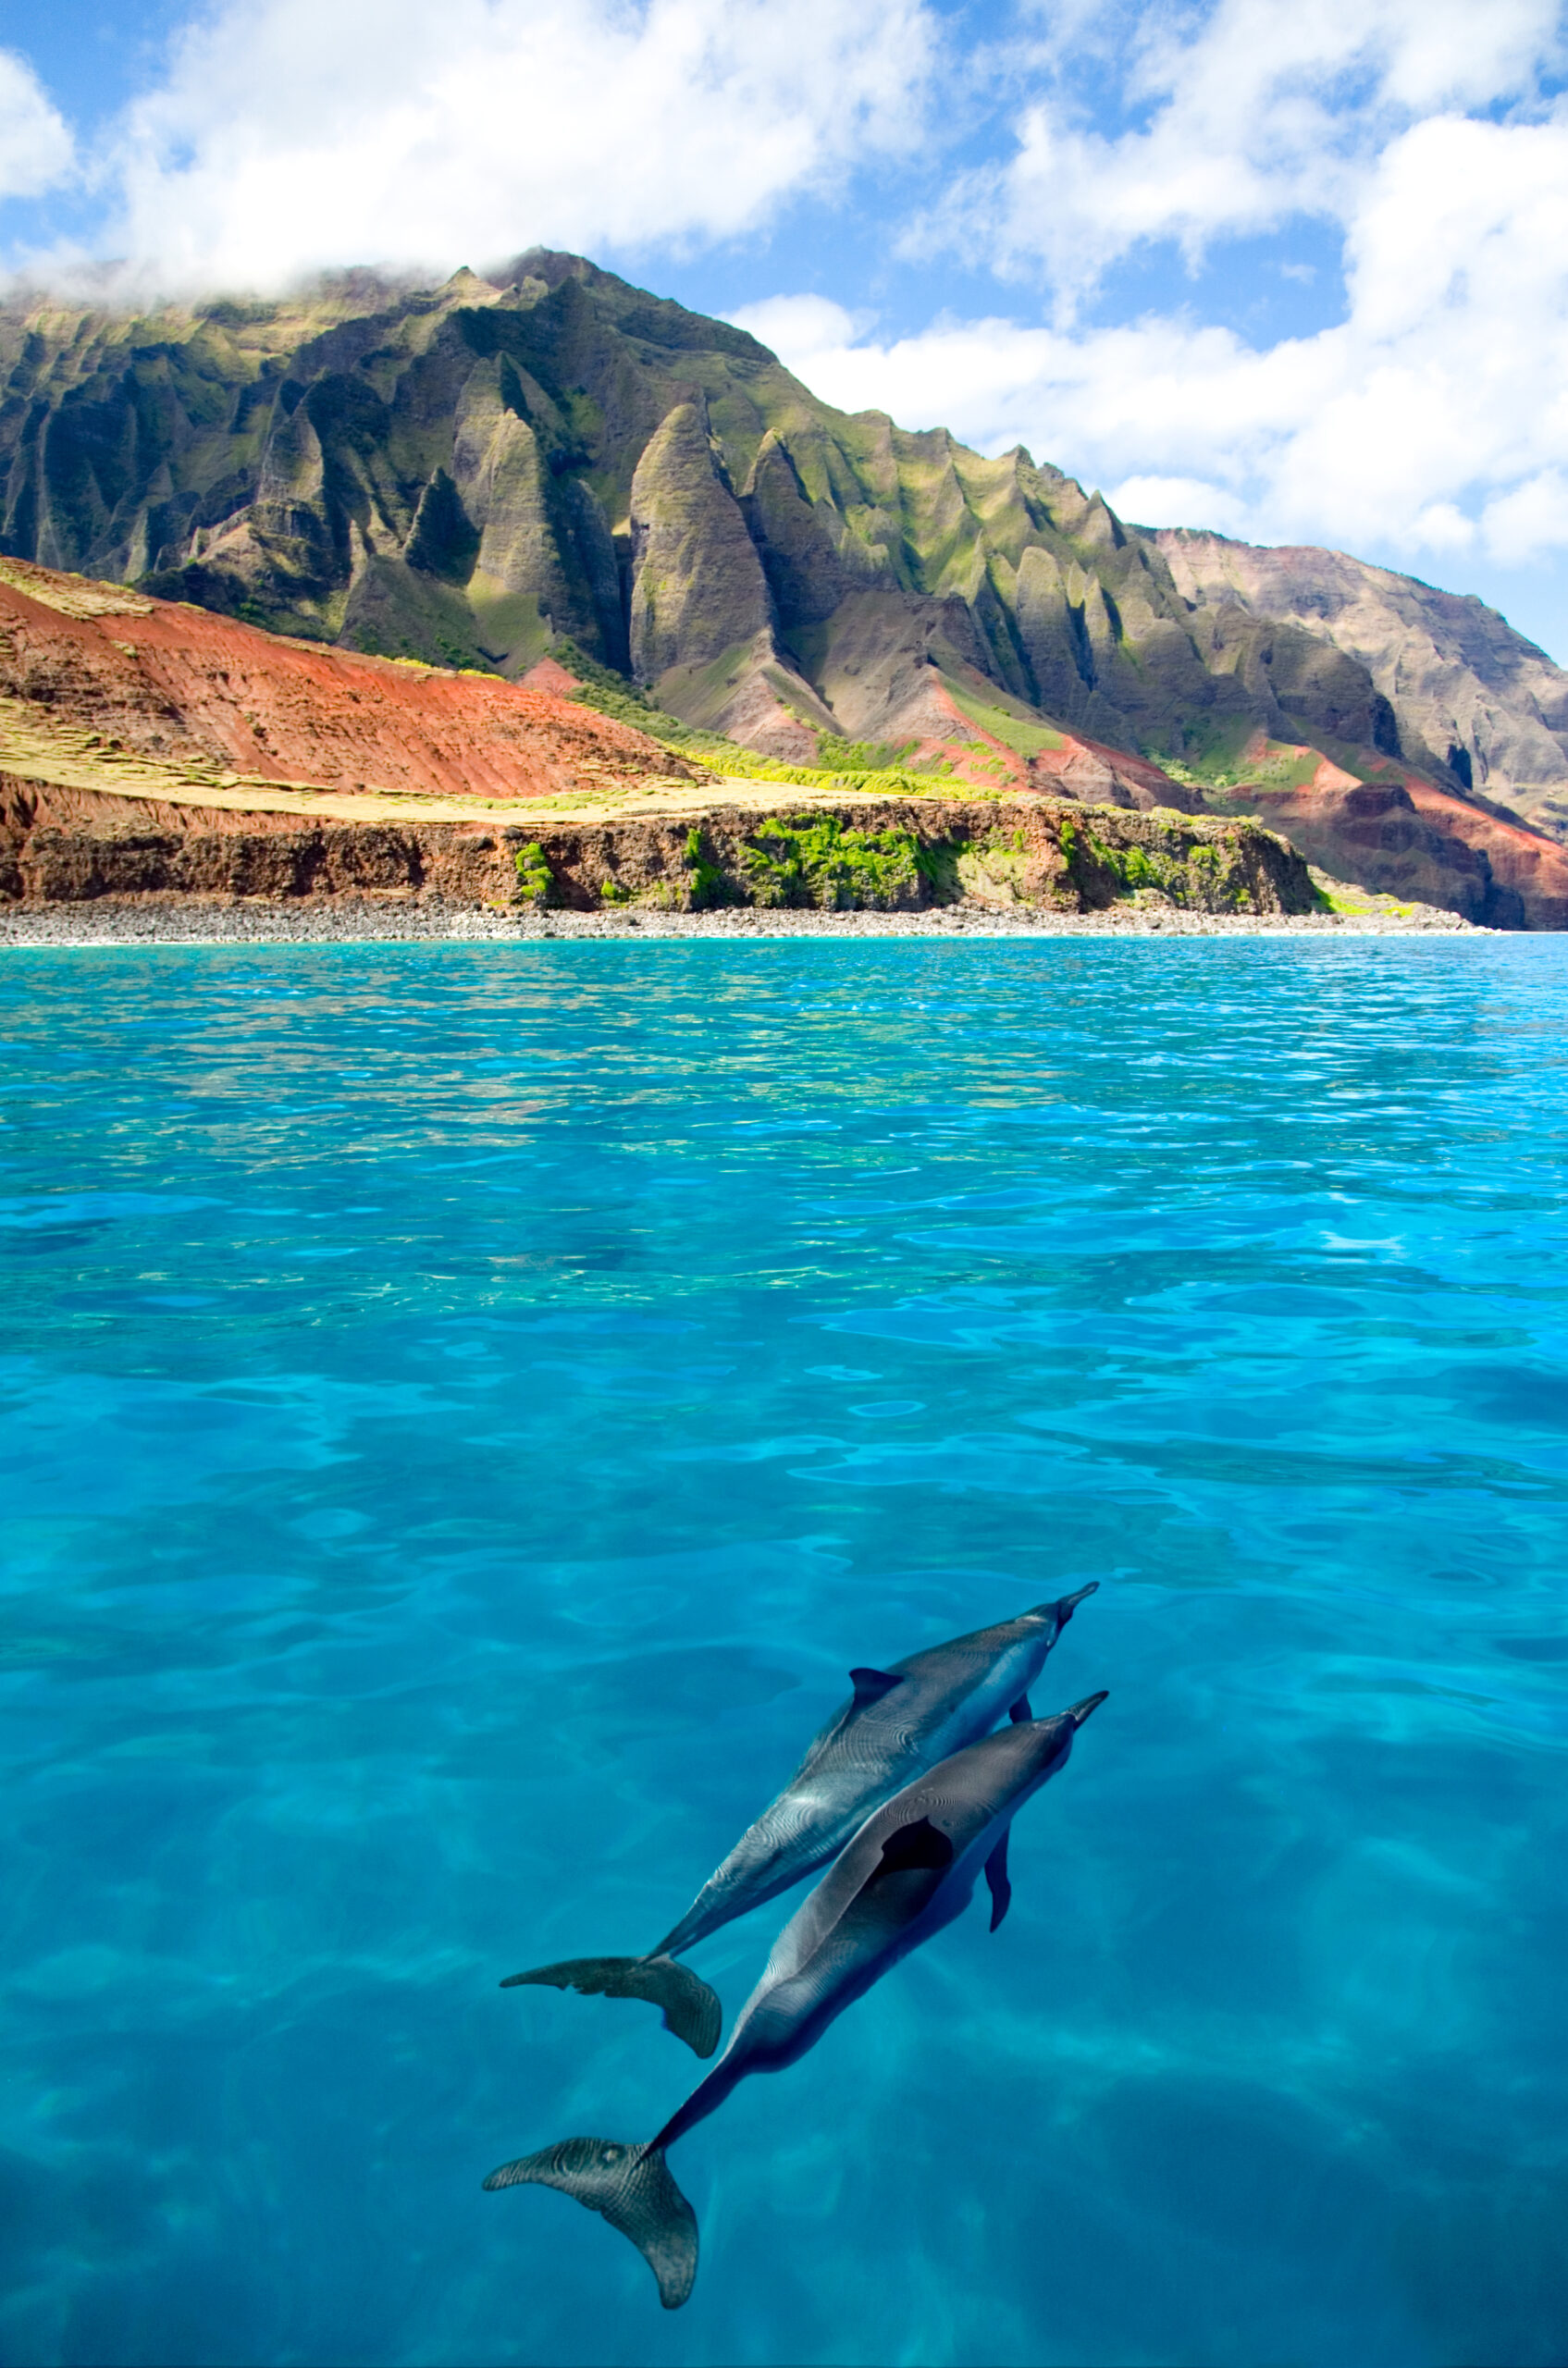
(184, 921)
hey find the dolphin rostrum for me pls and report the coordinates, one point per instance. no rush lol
(910, 1870)
(899, 1722)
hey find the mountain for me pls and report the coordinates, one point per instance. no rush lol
(474, 473)
(549, 467)
(1471, 698)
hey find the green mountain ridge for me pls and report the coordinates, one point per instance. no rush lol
(550, 460)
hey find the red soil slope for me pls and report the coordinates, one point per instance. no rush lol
(178, 683)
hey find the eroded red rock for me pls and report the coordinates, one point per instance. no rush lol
(180, 684)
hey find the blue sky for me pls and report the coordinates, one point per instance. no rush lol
(1300, 274)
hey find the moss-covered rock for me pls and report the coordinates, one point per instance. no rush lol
(824, 859)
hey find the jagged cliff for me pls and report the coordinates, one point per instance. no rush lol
(552, 461)
(472, 473)
(66, 846)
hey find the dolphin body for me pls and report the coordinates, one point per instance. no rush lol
(910, 1870)
(898, 1721)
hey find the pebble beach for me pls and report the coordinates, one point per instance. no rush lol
(147, 920)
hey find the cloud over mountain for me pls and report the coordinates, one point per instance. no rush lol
(290, 136)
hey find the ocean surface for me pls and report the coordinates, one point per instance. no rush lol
(465, 1409)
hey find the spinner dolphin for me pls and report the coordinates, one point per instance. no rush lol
(899, 1722)
(909, 1871)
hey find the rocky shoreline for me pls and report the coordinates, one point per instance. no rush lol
(184, 921)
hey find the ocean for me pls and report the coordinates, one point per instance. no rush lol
(466, 1408)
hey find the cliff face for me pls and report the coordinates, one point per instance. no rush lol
(72, 847)
(1473, 703)
(485, 473)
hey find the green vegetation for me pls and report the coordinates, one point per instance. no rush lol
(743, 764)
(816, 859)
(997, 867)
(1209, 754)
(708, 882)
(837, 756)
(625, 702)
(536, 881)
(1228, 756)
(938, 867)
(615, 892)
(1355, 903)
(1014, 732)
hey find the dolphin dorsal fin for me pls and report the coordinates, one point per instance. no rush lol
(871, 1684)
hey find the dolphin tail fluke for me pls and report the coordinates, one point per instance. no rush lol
(632, 2187)
(691, 2010)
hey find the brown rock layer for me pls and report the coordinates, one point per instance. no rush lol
(64, 845)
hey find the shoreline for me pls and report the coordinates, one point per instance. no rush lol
(143, 920)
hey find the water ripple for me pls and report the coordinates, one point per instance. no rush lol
(467, 1408)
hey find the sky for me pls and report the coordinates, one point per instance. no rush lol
(1294, 270)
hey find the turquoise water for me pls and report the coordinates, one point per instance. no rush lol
(467, 1407)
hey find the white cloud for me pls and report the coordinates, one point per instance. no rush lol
(1521, 525)
(36, 150)
(1257, 112)
(292, 135)
(1433, 418)
(1178, 502)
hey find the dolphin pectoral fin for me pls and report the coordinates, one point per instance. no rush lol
(871, 1684)
(691, 2010)
(997, 1877)
(632, 2187)
(1020, 1710)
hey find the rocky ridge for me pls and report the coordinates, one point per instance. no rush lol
(1474, 704)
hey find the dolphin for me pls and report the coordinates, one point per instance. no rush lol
(910, 1870)
(898, 1721)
